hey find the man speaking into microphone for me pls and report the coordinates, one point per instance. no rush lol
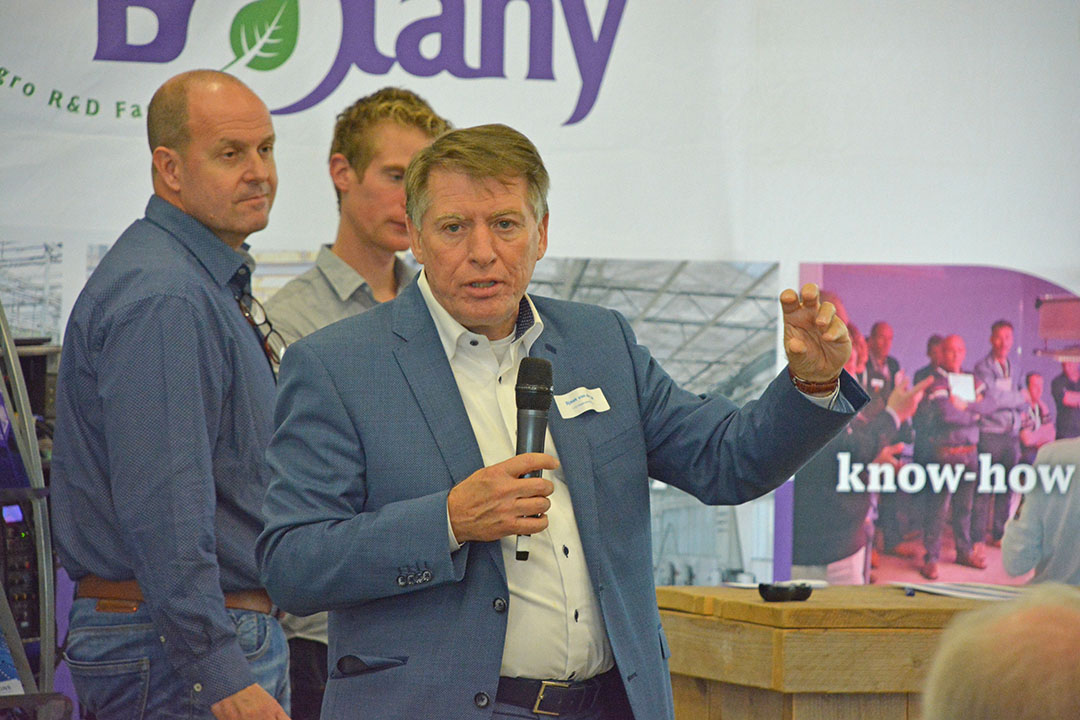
(396, 495)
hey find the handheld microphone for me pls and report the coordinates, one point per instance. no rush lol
(533, 393)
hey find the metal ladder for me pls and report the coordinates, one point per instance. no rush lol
(23, 428)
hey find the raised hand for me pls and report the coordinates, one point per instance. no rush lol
(815, 339)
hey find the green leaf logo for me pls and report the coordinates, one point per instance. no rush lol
(263, 33)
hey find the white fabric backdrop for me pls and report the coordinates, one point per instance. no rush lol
(867, 131)
(830, 130)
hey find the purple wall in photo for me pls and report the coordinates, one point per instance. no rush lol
(918, 300)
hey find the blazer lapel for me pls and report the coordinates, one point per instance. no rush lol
(422, 360)
(575, 455)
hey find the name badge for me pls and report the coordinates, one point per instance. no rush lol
(580, 400)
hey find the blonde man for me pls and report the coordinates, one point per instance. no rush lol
(374, 140)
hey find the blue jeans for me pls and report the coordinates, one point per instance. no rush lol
(120, 671)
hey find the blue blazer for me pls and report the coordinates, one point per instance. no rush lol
(371, 436)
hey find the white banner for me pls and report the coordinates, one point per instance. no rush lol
(831, 131)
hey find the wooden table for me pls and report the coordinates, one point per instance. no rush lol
(857, 653)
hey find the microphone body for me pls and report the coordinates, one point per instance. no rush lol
(531, 434)
(533, 393)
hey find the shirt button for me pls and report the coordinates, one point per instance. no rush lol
(197, 687)
(474, 343)
(499, 604)
(161, 638)
(482, 700)
(565, 551)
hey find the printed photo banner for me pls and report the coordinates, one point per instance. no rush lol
(882, 500)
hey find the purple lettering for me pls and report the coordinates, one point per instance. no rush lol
(357, 47)
(450, 26)
(592, 52)
(541, 38)
(592, 55)
(172, 16)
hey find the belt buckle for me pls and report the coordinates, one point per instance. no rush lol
(544, 685)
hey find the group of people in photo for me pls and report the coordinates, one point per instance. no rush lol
(949, 413)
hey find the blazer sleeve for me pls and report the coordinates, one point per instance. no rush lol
(322, 547)
(723, 454)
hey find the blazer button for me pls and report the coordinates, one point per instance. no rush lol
(425, 576)
(499, 604)
(482, 700)
(411, 580)
(401, 580)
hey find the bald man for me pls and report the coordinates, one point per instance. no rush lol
(164, 403)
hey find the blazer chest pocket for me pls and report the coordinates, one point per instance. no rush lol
(625, 441)
(353, 665)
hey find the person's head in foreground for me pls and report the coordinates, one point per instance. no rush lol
(1013, 660)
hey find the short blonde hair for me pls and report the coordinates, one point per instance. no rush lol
(482, 152)
(352, 131)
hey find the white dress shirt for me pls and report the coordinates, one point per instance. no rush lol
(555, 630)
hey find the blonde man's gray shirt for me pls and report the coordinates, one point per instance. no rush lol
(330, 291)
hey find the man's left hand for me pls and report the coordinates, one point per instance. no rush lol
(815, 339)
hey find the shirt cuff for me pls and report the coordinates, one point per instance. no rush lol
(218, 674)
(825, 401)
(454, 544)
(837, 401)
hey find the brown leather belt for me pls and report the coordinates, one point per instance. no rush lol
(125, 596)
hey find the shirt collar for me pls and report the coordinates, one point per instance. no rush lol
(343, 278)
(527, 328)
(219, 260)
(241, 279)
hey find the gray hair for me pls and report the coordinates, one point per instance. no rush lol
(1013, 660)
(482, 152)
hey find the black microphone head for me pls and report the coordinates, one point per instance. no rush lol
(533, 389)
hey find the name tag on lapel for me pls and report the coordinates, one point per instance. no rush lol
(580, 400)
